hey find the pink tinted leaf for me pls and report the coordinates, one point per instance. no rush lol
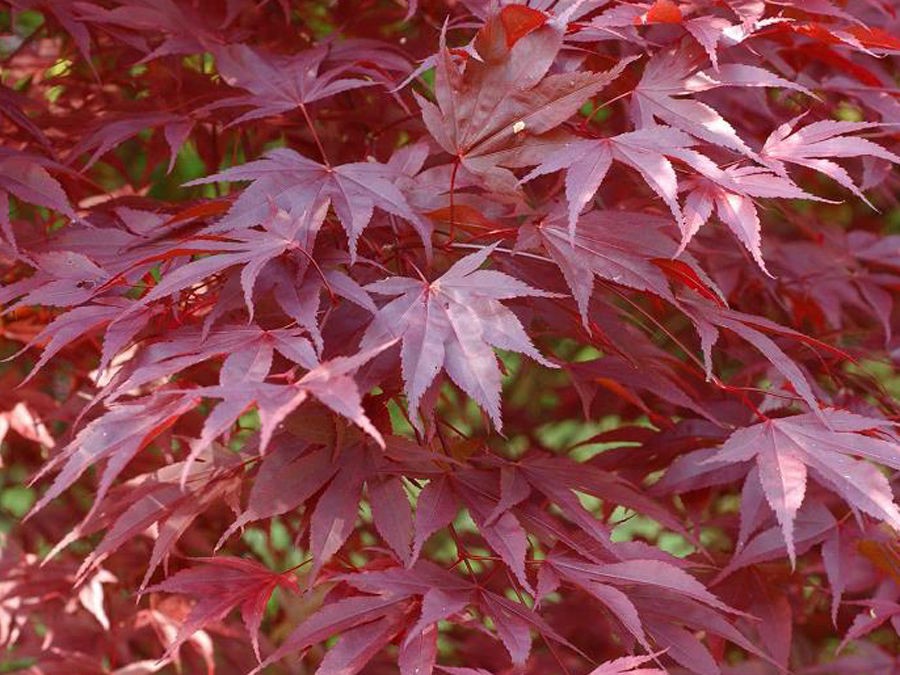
(331, 383)
(613, 246)
(391, 514)
(661, 574)
(176, 517)
(417, 656)
(746, 327)
(453, 322)
(297, 185)
(785, 448)
(708, 31)
(664, 79)
(436, 508)
(334, 517)
(110, 133)
(588, 161)
(358, 645)
(782, 474)
(24, 177)
(753, 507)
(67, 328)
(621, 607)
(517, 617)
(333, 618)
(513, 489)
(628, 665)
(437, 605)
(812, 524)
(117, 437)
(513, 631)
(278, 84)
(503, 96)
(810, 146)
(685, 648)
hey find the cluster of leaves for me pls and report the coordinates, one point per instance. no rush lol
(453, 337)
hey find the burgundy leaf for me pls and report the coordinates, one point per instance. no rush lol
(222, 584)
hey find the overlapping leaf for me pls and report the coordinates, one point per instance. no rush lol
(221, 584)
(787, 449)
(304, 188)
(504, 93)
(453, 323)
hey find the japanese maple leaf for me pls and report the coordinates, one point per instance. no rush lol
(812, 524)
(112, 130)
(827, 275)
(788, 448)
(812, 145)
(25, 177)
(444, 594)
(276, 83)
(708, 318)
(616, 246)
(620, 587)
(672, 74)
(343, 617)
(78, 322)
(452, 323)
(297, 185)
(504, 92)
(242, 384)
(708, 31)
(116, 437)
(184, 28)
(732, 198)
(192, 345)
(221, 584)
(250, 249)
(62, 279)
(157, 506)
(628, 665)
(587, 162)
(14, 105)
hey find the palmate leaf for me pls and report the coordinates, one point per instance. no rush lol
(116, 437)
(787, 449)
(732, 198)
(277, 84)
(341, 617)
(502, 95)
(297, 185)
(614, 246)
(672, 74)
(192, 345)
(221, 584)
(453, 323)
(442, 594)
(653, 599)
(113, 131)
(242, 384)
(25, 177)
(588, 161)
(246, 363)
(815, 144)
